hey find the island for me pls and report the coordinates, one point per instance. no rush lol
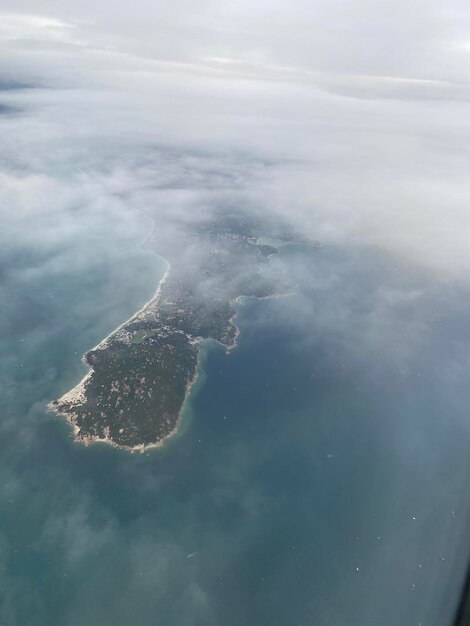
(141, 374)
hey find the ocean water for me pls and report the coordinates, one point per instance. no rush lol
(321, 473)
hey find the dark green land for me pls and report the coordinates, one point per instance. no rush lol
(141, 374)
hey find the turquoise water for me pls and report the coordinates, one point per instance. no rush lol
(321, 478)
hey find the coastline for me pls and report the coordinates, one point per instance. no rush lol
(153, 300)
(142, 448)
(77, 394)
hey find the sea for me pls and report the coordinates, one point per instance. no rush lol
(320, 476)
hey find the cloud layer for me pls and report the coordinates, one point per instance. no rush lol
(359, 110)
(348, 120)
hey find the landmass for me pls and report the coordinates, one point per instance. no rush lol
(141, 374)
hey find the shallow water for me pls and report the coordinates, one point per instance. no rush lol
(320, 477)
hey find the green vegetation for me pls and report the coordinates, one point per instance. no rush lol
(140, 374)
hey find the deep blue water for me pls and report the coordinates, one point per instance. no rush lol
(321, 477)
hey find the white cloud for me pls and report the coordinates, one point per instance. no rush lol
(16, 27)
(370, 150)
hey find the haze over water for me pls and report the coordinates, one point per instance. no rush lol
(321, 476)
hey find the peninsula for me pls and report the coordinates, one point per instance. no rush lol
(141, 374)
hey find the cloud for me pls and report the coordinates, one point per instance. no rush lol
(34, 30)
(372, 157)
(348, 121)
